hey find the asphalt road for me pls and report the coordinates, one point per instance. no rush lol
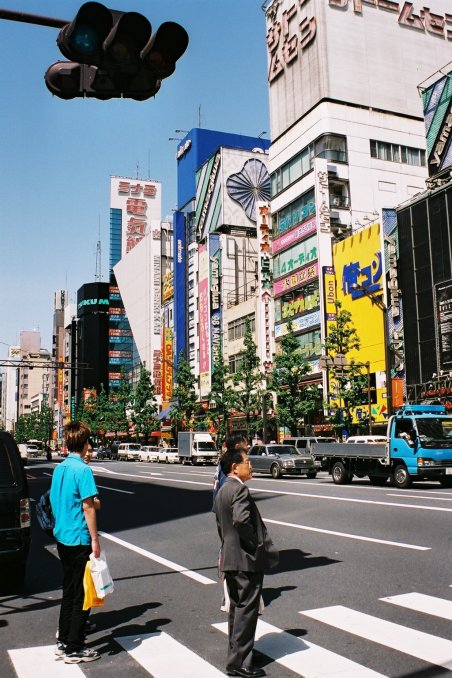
(363, 588)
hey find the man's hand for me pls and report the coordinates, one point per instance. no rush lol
(95, 545)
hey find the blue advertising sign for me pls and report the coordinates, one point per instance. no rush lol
(180, 326)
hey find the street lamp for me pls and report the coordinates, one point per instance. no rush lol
(377, 300)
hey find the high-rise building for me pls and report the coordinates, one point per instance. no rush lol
(135, 302)
(92, 339)
(56, 391)
(348, 145)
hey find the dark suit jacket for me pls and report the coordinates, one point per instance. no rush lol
(245, 543)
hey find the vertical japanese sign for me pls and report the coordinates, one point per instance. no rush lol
(265, 308)
(443, 293)
(180, 284)
(215, 297)
(167, 366)
(203, 310)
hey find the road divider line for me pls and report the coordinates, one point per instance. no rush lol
(302, 657)
(428, 648)
(114, 489)
(415, 496)
(419, 602)
(345, 535)
(162, 656)
(200, 578)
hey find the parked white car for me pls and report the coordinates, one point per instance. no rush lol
(149, 453)
(168, 455)
(129, 451)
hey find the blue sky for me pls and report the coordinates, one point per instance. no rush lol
(56, 156)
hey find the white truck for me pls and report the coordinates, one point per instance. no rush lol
(196, 447)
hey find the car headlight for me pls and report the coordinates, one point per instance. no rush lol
(422, 461)
(289, 462)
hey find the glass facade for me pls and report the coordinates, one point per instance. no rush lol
(397, 153)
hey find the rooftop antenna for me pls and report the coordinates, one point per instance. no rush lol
(199, 116)
(98, 274)
(138, 169)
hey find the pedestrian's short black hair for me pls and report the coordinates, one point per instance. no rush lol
(236, 440)
(232, 456)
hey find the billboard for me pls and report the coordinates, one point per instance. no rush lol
(215, 298)
(180, 321)
(377, 43)
(140, 202)
(357, 265)
(228, 187)
(204, 315)
(437, 102)
(443, 296)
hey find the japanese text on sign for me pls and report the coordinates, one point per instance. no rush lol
(356, 276)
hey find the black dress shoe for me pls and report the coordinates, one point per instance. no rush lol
(246, 671)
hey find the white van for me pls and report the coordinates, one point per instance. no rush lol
(369, 440)
(129, 451)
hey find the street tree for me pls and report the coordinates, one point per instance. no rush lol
(184, 406)
(296, 400)
(221, 395)
(120, 399)
(248, 382)
(143, 409)
(347, 382)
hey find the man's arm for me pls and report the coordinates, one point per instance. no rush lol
(89, 511)
(241, 517)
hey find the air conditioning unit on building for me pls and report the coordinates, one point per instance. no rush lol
(336, 201)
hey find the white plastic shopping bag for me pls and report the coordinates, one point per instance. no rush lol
(100, 573)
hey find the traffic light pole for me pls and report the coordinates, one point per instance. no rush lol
(36, 19)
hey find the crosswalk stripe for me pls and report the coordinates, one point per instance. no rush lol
(163, 656)
(31, 661)
(302, 657)
(424, 646)
(438, 607)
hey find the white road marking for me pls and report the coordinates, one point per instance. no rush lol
(150, 473)
(32, 661)
(415, 496)
(200, 578)
(302, 657)
(345, 535)
(162, 656)
(114, 489)
(438, 607)
(428, 648)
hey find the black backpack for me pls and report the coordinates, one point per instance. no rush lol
(44, 514)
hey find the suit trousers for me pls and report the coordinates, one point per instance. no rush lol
(245, 590)
(71, 626)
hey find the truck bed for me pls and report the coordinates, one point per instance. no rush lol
(350, 451)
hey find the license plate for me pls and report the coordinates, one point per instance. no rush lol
(448, 471)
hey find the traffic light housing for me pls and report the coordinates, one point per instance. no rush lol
(113, 54)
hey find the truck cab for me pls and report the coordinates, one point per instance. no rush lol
(420, 440)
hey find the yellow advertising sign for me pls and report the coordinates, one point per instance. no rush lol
(167, 286)
(358, 266)
(167, 364)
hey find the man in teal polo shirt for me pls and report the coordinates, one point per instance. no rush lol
(72, 498)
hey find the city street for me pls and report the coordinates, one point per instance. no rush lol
(363, 587)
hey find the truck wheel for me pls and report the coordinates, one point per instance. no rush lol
(400, 477)
(313, 474)
(275, 471)
(340, 474)
(378, 481)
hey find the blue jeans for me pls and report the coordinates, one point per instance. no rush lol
(71, 626)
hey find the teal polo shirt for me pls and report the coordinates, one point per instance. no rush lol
(72, 482)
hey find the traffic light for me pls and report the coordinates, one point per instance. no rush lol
(114, 54)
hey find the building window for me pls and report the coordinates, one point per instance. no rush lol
(329, 146)
(236, 328)
(234, 362)
(290, 216)
(381, 150)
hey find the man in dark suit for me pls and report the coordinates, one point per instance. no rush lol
(246, 551)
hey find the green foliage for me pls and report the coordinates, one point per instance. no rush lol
(185, 400)
(120, 399)
(295, 400)
(347, 382)
(143, 405)
(247, 397)
(221, 396)
(35, 426)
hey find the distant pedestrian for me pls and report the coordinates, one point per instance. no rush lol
(72, 494)
(247, 551)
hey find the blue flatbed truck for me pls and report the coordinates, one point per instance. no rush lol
(419, 447)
